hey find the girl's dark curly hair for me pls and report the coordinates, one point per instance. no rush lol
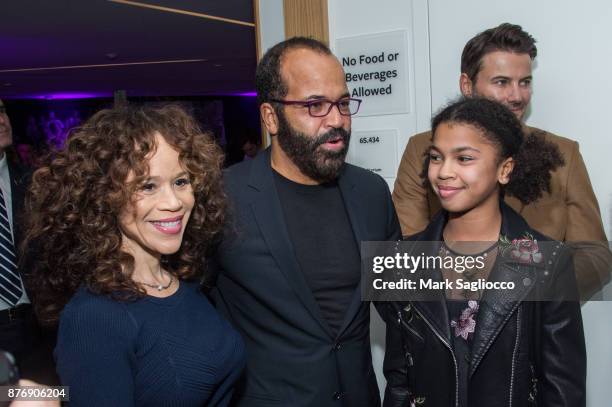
(534, 157)
(74, 204)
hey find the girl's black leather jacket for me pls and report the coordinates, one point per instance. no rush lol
(524, 352)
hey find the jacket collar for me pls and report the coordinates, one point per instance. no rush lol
(19, 180)
(513, 225)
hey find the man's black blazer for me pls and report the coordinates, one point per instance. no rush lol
(292, 358)
(20, 178)
(37, 362)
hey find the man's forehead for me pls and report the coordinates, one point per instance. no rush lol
(305, 68)
(303, 57)
(500, 59)
(303, 52)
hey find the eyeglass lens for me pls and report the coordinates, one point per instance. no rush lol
(346, 107)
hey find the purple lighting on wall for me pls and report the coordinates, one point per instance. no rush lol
(250, 94)
(71, 95)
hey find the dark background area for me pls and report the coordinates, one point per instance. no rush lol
(65, 56)
(239, 115)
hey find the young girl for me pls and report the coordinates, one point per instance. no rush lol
(488, 347)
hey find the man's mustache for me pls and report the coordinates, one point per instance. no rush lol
(516, 104)
(333, 134)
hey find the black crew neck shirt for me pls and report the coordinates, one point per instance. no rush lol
(324, 244)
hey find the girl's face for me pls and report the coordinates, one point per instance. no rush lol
(464, 168)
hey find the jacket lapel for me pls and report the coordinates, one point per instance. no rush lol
(497, 306)
(435, 311)
(269, 215)
(18, 189)
(349, 190)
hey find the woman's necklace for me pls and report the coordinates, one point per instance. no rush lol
(159, 287)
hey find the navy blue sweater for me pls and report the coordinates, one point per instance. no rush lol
(152, 352)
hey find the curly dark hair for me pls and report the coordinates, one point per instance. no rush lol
(268, 81)
(74, 204)
(534, 157)
(505, 37)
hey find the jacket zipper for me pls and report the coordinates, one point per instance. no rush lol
(477, 362)
(408, 327)
(516, 344)
(451, 352)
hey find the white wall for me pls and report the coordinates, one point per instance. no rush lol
(270, 31)
(271, 28)
(572, 85)
(358, 17)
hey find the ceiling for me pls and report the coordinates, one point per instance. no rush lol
(85, 48)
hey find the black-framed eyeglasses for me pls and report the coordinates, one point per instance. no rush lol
(2, 109)
(322, 107)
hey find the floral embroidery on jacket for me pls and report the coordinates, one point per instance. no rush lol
(524, 250)
(466, 324)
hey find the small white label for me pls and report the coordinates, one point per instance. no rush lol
(375, 150)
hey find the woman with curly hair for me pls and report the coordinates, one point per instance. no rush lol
(120, 222)
(502, 326)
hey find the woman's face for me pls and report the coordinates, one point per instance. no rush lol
(156, 219)
(464, 168)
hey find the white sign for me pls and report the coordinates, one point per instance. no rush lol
(375, 150)
(376, 71)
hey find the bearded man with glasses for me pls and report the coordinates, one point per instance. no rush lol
(289, 263)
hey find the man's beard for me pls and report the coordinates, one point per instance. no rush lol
(306, 153)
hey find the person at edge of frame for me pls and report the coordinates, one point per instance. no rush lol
(497, 64)
(520, 345)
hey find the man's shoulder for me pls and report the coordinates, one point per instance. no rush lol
(237, 177)
(563, 143)
(238, 171)
(417, 146)
(421, 139)
(19, 172)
